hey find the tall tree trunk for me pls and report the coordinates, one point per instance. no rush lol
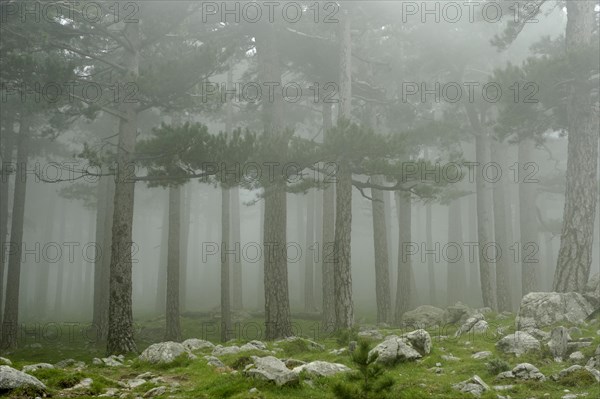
(484, 222)
(328, 237)
(161, 282)
(503, 261)
(405, 275)
(260, 289)
(236, 264)
(43, 274)
(225, 265)
(474, 278)
(433, 300)
(457, 277)
(277, 301)
(309, 293)
(527, 218)
(13, 278)
(7, 133)
(186, 200)
(173, 327)
(581, 194)
(315, 254)
(344, 307)
(60, 268)
(120, 315)
(382, 276)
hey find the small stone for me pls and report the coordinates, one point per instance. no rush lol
(5, 361)
(38, 366)
(253, 390)
(155, 392)
(481, 355)
(576, 356)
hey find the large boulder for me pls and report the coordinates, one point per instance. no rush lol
(195, 344)
(163, 352)
(523, 371)
(540, 309)
(518, 343)
(30, 368)
(474, 385)
(11, 379)
(457, 313)
(269, 368)
(592, 290)
(474, 324)
(321, 369)
(424, 316)
(419, 340)
(394, 350)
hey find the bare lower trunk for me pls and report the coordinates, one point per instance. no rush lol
(328, 237)
(101, 265)
(527, 218)
(430, 266)
(404, 284)
(309, 294)
(173, 327)
(382, 276)
(225, 265)
(13, 278)
(161, 282)
(344, 307)
(457, 276)
(186, 200)
(7, 133)
(581, 194)
(503, 262)
(236, 264)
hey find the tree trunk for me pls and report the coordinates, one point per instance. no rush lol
(484, 222)
(405, 277)
(173, 330)
(309, 294)
(120, 316)
(581, 194)
(382, 276)
(260, 291)
(6, 130)
(328, 237)
(457, 276)
(277, 301)
(527, 218)
(344, 307)
(186, 200)
(60, 267)
(315, 252)
(161, 283)
(13, 278)
(225, 265)
(236, 264)
(433, 300)
(503, 261)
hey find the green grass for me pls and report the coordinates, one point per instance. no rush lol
(198, 380)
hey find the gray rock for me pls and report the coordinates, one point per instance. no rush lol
(540, 309)
(34, 367)
(457, 313)
(11, 379)
(112, 361)
(270, 368)
(338, 351)
(592, 290)
(576, 356)
(518, 343)
(569, 370)
(86, 383)
(155, 392)
(424, 316)
(5, 361)
(538, 334)
(481, 355)
(371, 334)
(475, 386)
(70, 363)
(291, 363)
(470, 323)
(195, 344)
(450, 358)
(163, 352)
(394, 350)
(214, 361)
(594, 361)
(527, 371)
(311, 345)
(135, 382)
(321, 369)
(419, 340)
(558, 344)
(502, 387)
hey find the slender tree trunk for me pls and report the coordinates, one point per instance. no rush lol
(277, 301)
(225, 265)
(405, 275)
(236, 264)
(7, 150)
(120, 315)
(60, 268)
(382, 276)
(13, 278)
(527, 219)
(173, 330)
(581, 194)
(43, 274)
(328, 237)
(344, 307)
(457, 276)
(260, 303)
(315, 254)
(484, 223)
(309, 293)
(186, 219)
(161, 282)
(474, 278)
(433, 300)
(503, 263)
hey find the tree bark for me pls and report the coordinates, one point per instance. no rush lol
(382, 276)
(581, 194)
(186, 200)
(309, 294)
(7, 151)
(503, 263)
(161, 282)
(236, 264)
(457, 276)
(173, 326)
(527, 217)
(433, 300)
(225, 265)
(120, 317)
(405, 275)
(13, 278)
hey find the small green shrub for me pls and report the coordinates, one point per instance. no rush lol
(496, 366)
(578, 378)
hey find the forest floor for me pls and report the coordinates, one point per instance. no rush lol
(195, 379)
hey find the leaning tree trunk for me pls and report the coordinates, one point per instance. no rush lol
(382, 275)
(173, 326)
(13, 278)
(484, 222)
(581, 193)
(328, 237)
(277, 301)
(503, 262)
(120, 316)
(225, 265)
(527, 218)
(309, 294)
(405, 276)
(342, 276)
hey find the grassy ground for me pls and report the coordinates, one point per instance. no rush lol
(197, 380)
